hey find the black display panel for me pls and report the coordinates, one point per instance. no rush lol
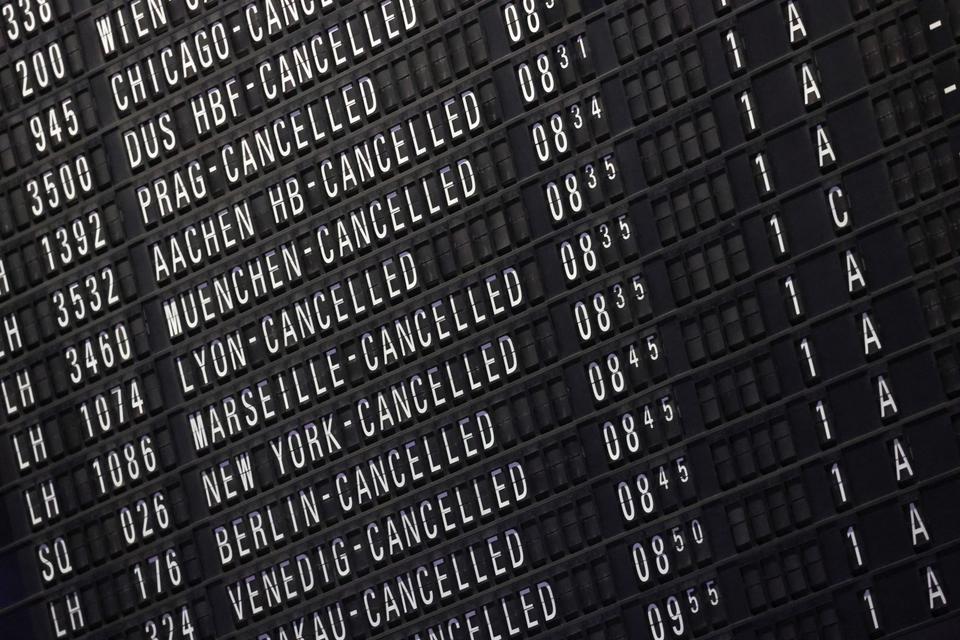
(440, 320)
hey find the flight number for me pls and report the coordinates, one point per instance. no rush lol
(24, 18)
(105, 352)
(127, 464)
(166, 627)
(144, 519)
(55, 126)
(41, 69)
(638, 498)
(86, 298)
(540, 75)
(157, 574)
(60, 186)
(580, 255)
(670, 616)
(78, 240)
(117, 407)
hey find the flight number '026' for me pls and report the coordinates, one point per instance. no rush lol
(638, 499)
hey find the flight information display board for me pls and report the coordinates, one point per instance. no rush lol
(479, 319)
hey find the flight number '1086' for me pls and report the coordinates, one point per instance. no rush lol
(33, 14)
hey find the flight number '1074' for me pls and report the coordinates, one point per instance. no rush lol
(113, 409)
